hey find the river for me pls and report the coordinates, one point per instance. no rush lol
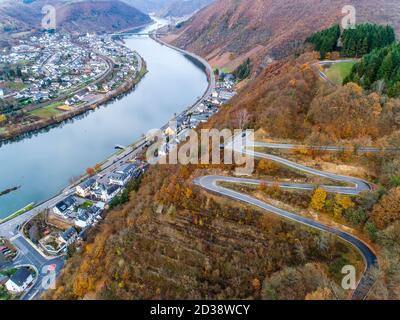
(44, 163)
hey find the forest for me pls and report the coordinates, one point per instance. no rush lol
(326, 40)
(352, 42)
(379, 71)
(243, 71)
(168, 239)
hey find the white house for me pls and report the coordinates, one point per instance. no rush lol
(20, 280)
(64, 206)
(83, 220)
(69, 236)
(105, 194)
(119, 178)
(85, 188)
(1, 93)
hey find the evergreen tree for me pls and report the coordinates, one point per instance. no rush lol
(326, 40)
(379, 69)
(243, 71)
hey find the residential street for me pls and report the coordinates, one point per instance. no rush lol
(28, 255)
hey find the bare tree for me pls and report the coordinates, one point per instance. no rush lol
(241, 118)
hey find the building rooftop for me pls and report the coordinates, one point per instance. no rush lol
(68, 234)
(87, 183)
(20, 277)
(65, 204)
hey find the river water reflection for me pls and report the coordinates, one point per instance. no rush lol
(43, 164)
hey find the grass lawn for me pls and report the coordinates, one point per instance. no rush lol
(223, 70)
(86, 205)
(47, 111)
(339, 71)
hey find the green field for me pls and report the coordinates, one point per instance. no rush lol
(339, 71)
(48, 111)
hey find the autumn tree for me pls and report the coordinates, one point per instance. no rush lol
(387, 210)
(241, 118)
(318, 199)
(320, 294)
(296, 283)
(90, 171)
(267, 166)
(342, 202)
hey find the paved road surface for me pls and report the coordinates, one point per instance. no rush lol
(211, 183)
(28, 255)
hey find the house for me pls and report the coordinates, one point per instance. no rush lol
(106, 193)
(99, 191)
(20, 280)
(64, 206)
(1, 93)
(229, 77)
(69, 236)
(83, 235)
(83, 220)
(119, 178)
(95, 212)
(127, 169)
(111, 192)
(85, 188)
(122, 176)
(226, 95)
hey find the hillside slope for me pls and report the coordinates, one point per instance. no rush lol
(79, 16)
(169, 8)
(172, 240)
(228, 31)
(100, 16)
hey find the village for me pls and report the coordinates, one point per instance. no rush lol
(62, 228)
(179, 127)
(51, 74)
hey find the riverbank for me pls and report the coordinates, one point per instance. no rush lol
(126, 87)
(198, 61)
(171, 86)
(19, 212)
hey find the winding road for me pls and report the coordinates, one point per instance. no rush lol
(212, 184)
(10, 229)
